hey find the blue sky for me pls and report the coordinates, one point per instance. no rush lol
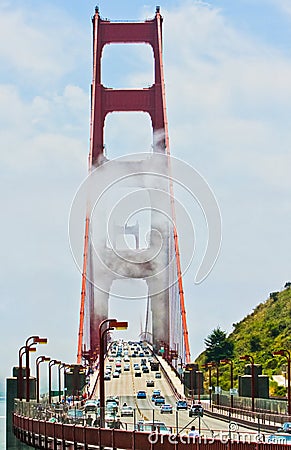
(228, 72)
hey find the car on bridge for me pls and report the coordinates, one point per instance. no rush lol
(286, 427)
(126, 411)
(137, 374)
(181, 404)
(159, 400)
(196, 410)
(75, 416)
(166, 409)
(141, 394)
(115, 374)
(112, 398)
(111, 406)
(150, 383)
(91, 406)
(158, 375)
(156, 426)
(155, 394)
(154, 366)
(107, 377)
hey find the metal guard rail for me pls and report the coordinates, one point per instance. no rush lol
(42, 434)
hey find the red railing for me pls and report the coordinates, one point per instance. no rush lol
(40, 434)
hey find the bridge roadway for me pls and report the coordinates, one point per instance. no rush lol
(127, 386)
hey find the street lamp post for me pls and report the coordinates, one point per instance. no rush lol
(39, 360)
(21, 352)
(113, 323)
(35, 340)
(229, 361)
(287, 355)
(62, 366)
(251, 359)
(191, 383)
(209, 367)
(50, 364)
(199, 382)
(217, 383)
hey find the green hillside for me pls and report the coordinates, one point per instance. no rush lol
(265, 330)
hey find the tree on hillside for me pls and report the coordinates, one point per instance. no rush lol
(218, 346)
(255, 344)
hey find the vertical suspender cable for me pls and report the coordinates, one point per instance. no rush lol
(86, 238)
(176, 240)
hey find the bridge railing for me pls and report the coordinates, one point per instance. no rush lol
(267, 405)
(261, 419)
(139, 419)
(43, 434)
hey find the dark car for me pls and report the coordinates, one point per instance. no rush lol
(196, 410)
(137, 374)
(159, 400)
(181, 404)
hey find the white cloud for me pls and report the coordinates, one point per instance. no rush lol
(234, 93)
(37, 131)
(37, 49)
(283, 5)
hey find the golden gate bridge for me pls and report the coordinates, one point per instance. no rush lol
(158, 263)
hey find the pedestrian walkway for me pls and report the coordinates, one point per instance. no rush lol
(175, 380)
(93, 382)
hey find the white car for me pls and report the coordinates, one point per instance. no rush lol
(91, 406)
(126, 411)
